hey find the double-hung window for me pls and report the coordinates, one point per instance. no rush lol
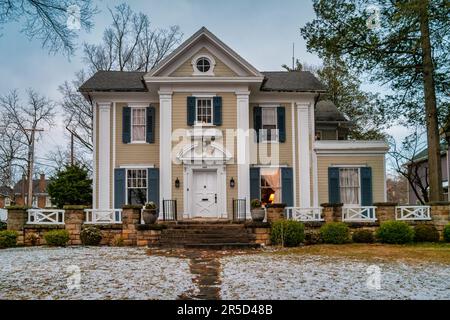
(269, 124)
(270, 185)
(137, 186)
(7, 201)
(349, 181)
(204, 111)
(138, 126)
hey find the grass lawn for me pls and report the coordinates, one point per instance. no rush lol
(433, 252)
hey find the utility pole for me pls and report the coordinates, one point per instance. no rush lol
(72, 149)
(31, 165)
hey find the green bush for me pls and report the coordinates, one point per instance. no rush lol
(335, 233)
(3, 225)
(426, 233)
(57, 238)
(363, 236)
(447, 233)
(395, 232)
(8, 239)
(91, 236)
(287, 233)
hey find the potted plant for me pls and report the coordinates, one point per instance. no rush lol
(150, 213)
(258, 212)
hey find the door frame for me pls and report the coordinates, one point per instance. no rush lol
(188, 174)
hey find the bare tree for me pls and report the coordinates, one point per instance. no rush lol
(130, 43)
(407, 164)
(54, 22)
(26, 120)
(11, 150)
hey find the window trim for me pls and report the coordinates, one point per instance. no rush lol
(212, 62)
(261, 135)
(280, 180)
(7, 201)
(196, 122)
(359, 204)
(133, 108)
(126, 180)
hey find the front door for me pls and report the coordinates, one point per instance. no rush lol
(205, 194)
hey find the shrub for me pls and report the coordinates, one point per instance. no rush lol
(118, 241)
(426, 233)
(57, 238)
(33, 238)
(287, 233)
(255, 204)
(447, 233)
(363, 236)
(335, 233)
(8, 239)
(91, 236)
(395, 232)
(3, 225)
(151, 206)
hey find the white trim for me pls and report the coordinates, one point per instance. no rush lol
(349, 166)
(131, 166)
(206, 56)
(165, 146)
(303, 132)
(196, 123)
(243, 147)
(188, 183)
(133, 107)
(315, 174)
(104, 154)
(113, 156)
(126, 179)
(94, 156)
(350, 147)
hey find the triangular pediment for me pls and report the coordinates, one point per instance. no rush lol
(225, 62)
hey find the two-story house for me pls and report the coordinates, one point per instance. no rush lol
(205, 127)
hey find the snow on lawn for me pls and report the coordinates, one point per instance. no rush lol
(106, 273)
(308, 277)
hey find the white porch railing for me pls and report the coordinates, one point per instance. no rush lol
(413, 213)
(103, 216)
(359, 214)
(304, 214)
(42, 216)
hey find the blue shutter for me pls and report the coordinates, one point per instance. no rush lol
(287, 186)
(257, 121)
(366, 187)
(217, 103)
(191, 111)
(126, 125)
(150, 134)
(255, 184)
(153, 185)
(281, 120)
(334, 192)
(119, 188)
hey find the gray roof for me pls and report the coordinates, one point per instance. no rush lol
(294, 81)
(326, 111)
(115, 81)
(127, 81)
(423, 155)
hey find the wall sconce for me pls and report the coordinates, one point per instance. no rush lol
(177, 183)
(232, 183)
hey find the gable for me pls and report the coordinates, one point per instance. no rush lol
(220, 68)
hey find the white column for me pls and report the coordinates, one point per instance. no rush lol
(243, 146)
(304, 152)
(104, 155)
(165, 146)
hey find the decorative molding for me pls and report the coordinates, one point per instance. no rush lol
(351, 147)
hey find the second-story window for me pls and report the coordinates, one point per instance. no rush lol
(204, 111)
(138, 124)
(269, 124)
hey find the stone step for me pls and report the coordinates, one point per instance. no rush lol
(222, 246)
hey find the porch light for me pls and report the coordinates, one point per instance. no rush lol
(177, 183)
(232, 183)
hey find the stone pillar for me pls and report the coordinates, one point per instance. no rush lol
(440, 216)
(275, 212)
(74, 217)
(385, 211)
(332, 212)
(17, 218)
(131, 217)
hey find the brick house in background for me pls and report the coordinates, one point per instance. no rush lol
(41, 198)
(5, 196)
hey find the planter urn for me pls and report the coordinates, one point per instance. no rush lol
(258, 214)
(150, 216)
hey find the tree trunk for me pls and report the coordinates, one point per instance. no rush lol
(434, 152)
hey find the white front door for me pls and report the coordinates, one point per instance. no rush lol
(205, 195)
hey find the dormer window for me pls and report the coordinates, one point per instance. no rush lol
(203, 65)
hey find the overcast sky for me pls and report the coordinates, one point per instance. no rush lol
(260, 31)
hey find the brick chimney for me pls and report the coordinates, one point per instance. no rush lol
(42, 184)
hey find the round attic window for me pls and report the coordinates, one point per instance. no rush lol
(203, 64)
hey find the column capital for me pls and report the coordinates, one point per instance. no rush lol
(104, 105)
(242, 94)
(165, 94)
(303, 105)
